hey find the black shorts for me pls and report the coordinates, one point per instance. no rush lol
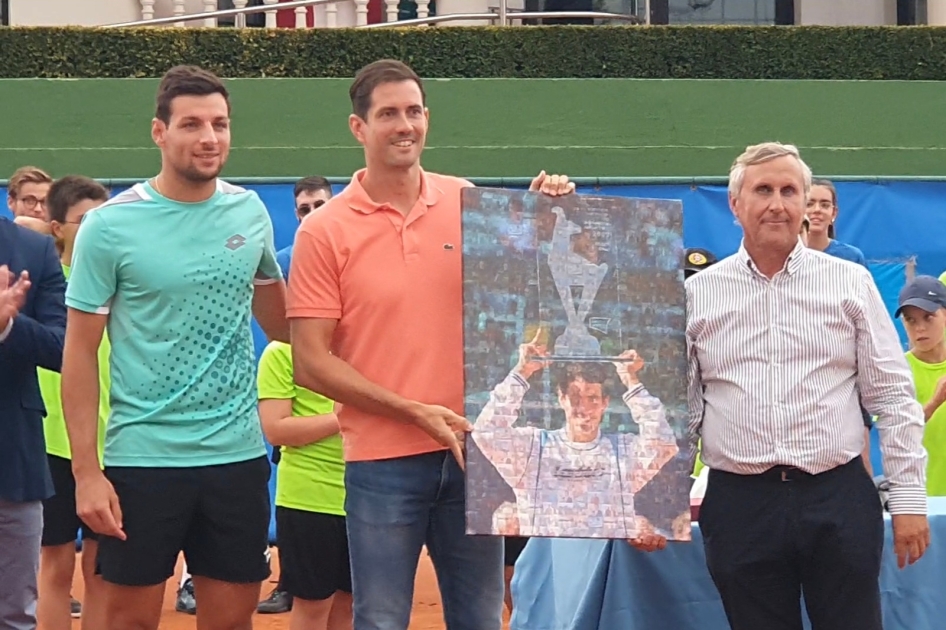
(513, 548)
(217, 515)
(61, 524)
(313, 553)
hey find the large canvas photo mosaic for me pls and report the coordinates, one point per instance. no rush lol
(575, 366)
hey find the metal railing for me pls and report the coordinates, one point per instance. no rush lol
(503, 16)
(199, 17)
(513, 15)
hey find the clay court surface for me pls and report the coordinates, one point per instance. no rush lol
(427, 614)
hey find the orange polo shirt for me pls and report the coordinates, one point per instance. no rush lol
(395, 285)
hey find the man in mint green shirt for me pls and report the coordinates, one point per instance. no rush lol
(310, 494)
(175, 267)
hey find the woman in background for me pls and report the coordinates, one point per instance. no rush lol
(821, 215)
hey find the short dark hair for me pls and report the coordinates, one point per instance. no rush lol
(186, 81)
(378, 73)
(68, 191)
(312, 183)
(590, 371)
(834, 198)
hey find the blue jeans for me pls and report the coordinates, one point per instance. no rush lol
(393, 508)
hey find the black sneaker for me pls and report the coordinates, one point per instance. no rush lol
(76, 608)
(185, 598)
(277, 602)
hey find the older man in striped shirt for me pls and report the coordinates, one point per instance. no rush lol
(781, 339)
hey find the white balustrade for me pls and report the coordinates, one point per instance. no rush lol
(147, 9)
(338, 14)
(178, 10)
(270, 15)
(210, 5)
(391, 6)
(240, 20)
(331, 15)
(361, 12)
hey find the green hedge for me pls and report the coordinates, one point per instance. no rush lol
(916, 53)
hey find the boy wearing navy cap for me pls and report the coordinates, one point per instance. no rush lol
(697, 259)
(922, 307)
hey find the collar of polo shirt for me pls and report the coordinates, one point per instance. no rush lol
(430, 194)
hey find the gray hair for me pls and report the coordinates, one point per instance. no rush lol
(759, 153)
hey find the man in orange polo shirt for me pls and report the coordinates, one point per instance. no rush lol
(376, 310)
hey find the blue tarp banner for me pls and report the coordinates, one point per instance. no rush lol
(893, 223)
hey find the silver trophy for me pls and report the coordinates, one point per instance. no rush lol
(570, 269)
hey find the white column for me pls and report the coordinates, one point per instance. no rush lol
(391, 10)
(843, 13)
(302, 13)
(361, 12)
(936, 12)
(75, 13)
(178, 10)
(423, 8)
(239, 21)
(147, 9)
(270, 15)
(210, 5)
(331, 15)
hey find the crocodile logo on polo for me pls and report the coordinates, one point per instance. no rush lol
(236, 242)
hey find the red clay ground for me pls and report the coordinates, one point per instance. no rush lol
(426, 615)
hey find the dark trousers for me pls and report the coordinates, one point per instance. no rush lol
(773, 537)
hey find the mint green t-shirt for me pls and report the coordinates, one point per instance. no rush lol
(310, 477)
(925, 377)
(50, 386)
(176, 280)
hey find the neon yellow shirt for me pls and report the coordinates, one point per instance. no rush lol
(54, 424)
(698, 466)
(310, 477)
(925, 377)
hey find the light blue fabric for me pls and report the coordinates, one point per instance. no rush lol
(284, 258)
(845, 252)
(564, 584)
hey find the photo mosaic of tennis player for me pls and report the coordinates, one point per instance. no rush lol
(575, 366)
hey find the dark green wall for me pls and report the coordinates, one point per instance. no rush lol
(499, 127)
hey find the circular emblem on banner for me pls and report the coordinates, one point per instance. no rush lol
(696, 258)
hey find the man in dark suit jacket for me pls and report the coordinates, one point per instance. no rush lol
(32, 328)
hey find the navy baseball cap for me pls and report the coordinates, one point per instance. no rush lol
(925, 292)
(698, 259)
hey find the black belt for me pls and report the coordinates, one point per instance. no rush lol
(785, 473)
(791, 473)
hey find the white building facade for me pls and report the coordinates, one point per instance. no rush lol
(359, 12)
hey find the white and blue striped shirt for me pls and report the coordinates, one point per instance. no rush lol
(776, 366)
